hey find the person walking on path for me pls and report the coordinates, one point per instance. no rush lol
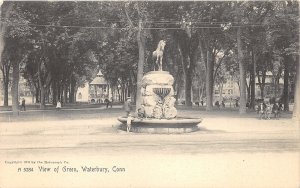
(23, 106)
(127, 106)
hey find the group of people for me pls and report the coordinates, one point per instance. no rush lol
(217, 104)
(265, 110)
(201, 102)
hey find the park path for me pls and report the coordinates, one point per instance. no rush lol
(222, 134)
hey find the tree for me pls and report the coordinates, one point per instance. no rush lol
(296, 110)
(5, 69)
(5, 62)
(282, 36)
(140, 37)
(16, 32)
(243, 101)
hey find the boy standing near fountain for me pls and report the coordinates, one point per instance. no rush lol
(129, 120)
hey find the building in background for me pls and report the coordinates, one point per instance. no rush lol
(82, 94)
(227, 91)
(230, 89)
(99, 89)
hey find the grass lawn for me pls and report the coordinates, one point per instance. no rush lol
(90, 111)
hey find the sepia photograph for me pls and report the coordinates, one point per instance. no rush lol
(149, 94)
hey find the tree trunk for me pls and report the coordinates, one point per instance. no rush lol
(5, 68)
(199, 93)
(75, 94)
(188, 89)
(15, 88)
(42, 97)
(59, 97)
(54, 93)
(3, 25)
(2, 30)
(221, 91)
(296, 110)
(204, 60)
(42, 89)
(252, 81)
(123, 93)
(140, 72)
(48, 95)
(5, 86)
(276, 84)
(286, 84)
(118, 94)
(65, 98)
(37, 94)
(242, 109)
(209, 81)
(202, 91)
(261, 82)
(187, 78)
(72, 91)
(248, 89)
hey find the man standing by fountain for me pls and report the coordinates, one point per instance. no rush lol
(127, 106)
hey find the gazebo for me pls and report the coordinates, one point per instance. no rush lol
(98, 89)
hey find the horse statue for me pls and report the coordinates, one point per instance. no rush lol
(158, 54)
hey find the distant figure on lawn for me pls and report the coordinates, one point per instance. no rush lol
(23, 106)
(236, 103)
(268, 111)
(202, 102)
(248, 104)
(261, 109)
(108, 102)
(223, 104)
(217, 104)
(127, 106)
(280, 105)
(58, 105)
(276, 110)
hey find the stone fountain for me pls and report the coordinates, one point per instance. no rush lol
(160, 114)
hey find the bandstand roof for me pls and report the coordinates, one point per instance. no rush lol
(99, 80)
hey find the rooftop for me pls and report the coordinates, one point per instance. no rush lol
(99, 80)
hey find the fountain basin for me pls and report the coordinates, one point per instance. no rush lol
(162, 126)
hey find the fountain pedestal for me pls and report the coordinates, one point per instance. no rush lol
(158, 95)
